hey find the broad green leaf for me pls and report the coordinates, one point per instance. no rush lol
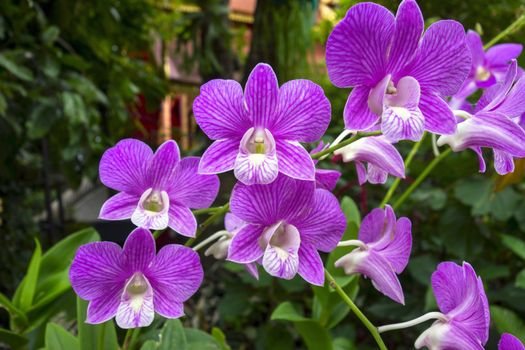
(328, 307)
(149, 345)
(351, 210)
(50, 34)
(507, 321)
(27, 292)
(173, 336)
(314, 335)
(514, 244)
(17, 70)
(199, 340)
(57, 338)
(90, 335)
(13, 339)
(220, 337)
(520, 279)
(15, 313)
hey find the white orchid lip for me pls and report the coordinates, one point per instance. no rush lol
(137, 284)
(152, 210)
(281, 243)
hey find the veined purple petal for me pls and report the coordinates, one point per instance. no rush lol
(303, 112)
(510, 342)
(400, 123)
(447, 336)
(294, 161)
(460, 295)
(375, 175)
(96, 269)
(356, 51)
(124, 166)
(396, 247)
(374, 266)
(326, 179)
(408, 29)
(514, 103)
(357, 113)
(245, 247)
(232, 222)
(479, 153)
(487, 129)
(136, 309)
(219, 157)
(119, 207)
(476, 49)
(138, 251)
(162, 165)
(190, 188)
(500, 55)
(375, 150)
(310, 265)
(261, 95)
(252, 270)
(324, 224)
(283, 199)
(438, 116)
(105, 307)
(497, 95)
(443, 60)
(175, 274)
(376, 224)
(503, 162)
(219, 110)
(182, 220)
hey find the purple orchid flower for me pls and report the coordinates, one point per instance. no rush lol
(257, 133)
(325, 178)
(384, 246)
(488, 67)
(495, 124)
(133, 283)
(156, 190)
(219, 249)
(382, 159)
(287, 223)
(465, 318)
(398, 75)
(510, 342)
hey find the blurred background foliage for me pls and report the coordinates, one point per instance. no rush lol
(73, 73)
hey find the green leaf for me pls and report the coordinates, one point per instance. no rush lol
(20, 72)
(50, 34)
(57, 338)
(351, 210)
(17, 316)
(28, 286)
(12, 338)
(507, 321)
(314, 335)
(520, 279)
(219, 336)
(199, 340)
(74, 107)
(173, 336)
(514, 244)
(94, 336)
(149, 345)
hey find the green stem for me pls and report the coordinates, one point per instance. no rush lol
(355, 310)
(397, 181)
(517, 24)
(157, 233)
(134, 337)
(206, 210)
(101, 336)
(344, 143)
(127, 338)
(217, 214)
(421, 177)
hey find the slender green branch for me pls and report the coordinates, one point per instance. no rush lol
(206, 210)
(102, 336)
(421, 177)
(346, 142)
(373, 329)
(397, 181)
(129, 338)
(217, 214)
(514, 26)
(157, 233)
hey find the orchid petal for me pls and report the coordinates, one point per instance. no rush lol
(182, 220)
(219, 157)
(294, 161)
(245, 247)
(119, 207)
(310, 265)
(261, 95)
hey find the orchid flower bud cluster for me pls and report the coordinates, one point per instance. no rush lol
(283, 215)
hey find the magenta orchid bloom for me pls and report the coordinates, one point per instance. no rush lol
(399, 75)
(381, 157)
(156, 190)
(464, 323)
(287, 223)
(488, 67)
(384, 246)
(510, 342)
(495, 124)
(133, 283)
(257, 133)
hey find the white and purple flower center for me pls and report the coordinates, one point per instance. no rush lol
(136, 303)
(397, 103)
(152, 210)
(482, 74)
(281, 243)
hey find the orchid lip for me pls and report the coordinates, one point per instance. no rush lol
(154, 202)
(137, 284)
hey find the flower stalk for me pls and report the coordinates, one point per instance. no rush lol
(371, 328)
(514, 26)
(221, 211)
(435, 315)
(346, 142)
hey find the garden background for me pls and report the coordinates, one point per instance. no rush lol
(77, 76)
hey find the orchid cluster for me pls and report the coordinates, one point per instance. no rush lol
(282, 214)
